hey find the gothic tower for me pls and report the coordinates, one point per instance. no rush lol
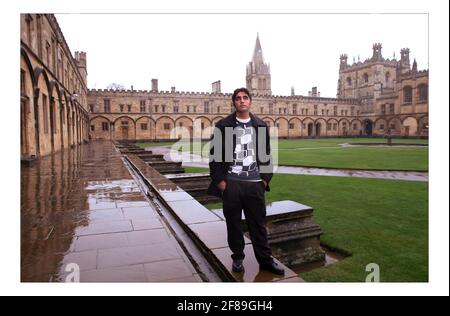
(258, 73)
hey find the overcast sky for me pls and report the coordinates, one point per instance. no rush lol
(190, 51)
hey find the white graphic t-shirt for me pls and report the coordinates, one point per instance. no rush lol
(244, 166)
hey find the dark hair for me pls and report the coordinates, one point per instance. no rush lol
(241, 90)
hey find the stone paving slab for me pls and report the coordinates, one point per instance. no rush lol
(81, 206)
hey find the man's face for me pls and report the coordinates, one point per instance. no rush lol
(242, 102)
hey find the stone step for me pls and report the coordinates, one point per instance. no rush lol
(293, 236)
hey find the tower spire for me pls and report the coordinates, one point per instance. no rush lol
(257, 52)
(258, 72)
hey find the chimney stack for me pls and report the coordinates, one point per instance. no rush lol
(154, 85)
(216, 87)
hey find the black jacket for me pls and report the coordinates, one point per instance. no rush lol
(219, 170)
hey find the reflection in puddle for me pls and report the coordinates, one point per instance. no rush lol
(63, 193)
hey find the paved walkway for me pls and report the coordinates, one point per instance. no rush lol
(82, 209)
(192, 160)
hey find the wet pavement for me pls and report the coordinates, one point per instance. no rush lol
(81, 210)
(207, 229)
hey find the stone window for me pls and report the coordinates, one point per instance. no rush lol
(206, 106)
(335, 126)
(166, 126)
(92, 128)
(144, 126)
(391, 108)
(129, 107)
(22, 83)
(47, 54)
(366, 78)
(407, 94)
(349, 81)
(142, 106)
(121, 107)
(423, 92)
(124, 122)
(28, 20)
(91, 108)
(355, 127)
(45, 113)
(382, 127)
(106, 105)
(180, 124)
(329, 126)
(291, 126)
(294, 109)
(105, 126)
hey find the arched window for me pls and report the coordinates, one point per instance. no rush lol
(387, 77)
(366, 78)
(407, 94)
(423, 92)
(349, 81)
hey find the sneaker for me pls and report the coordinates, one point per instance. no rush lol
(272, 267)
(237, 266)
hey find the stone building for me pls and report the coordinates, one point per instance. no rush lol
(393, 95)
(374, 98)
(53, 89)
(377, 97)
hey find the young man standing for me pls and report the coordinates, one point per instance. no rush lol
(241, 169)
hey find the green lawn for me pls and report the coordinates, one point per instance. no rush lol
(154, 144)
(328, 154)
(195, 170)
(377, 221)
(373, 158)
(334, 142)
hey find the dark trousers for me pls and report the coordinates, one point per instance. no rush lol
(247, 196)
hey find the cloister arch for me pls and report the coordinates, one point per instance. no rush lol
(409, 126)
(124, 128)
(28, 135)
(296, 131)
(320, 126)
(283, 127)
(145, 127)
(102, 127)
(164, 126)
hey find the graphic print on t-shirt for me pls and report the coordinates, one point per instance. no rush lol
(244, 165)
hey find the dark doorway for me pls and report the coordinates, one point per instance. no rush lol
(368, 126)
(310, 129)
(318, 129)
